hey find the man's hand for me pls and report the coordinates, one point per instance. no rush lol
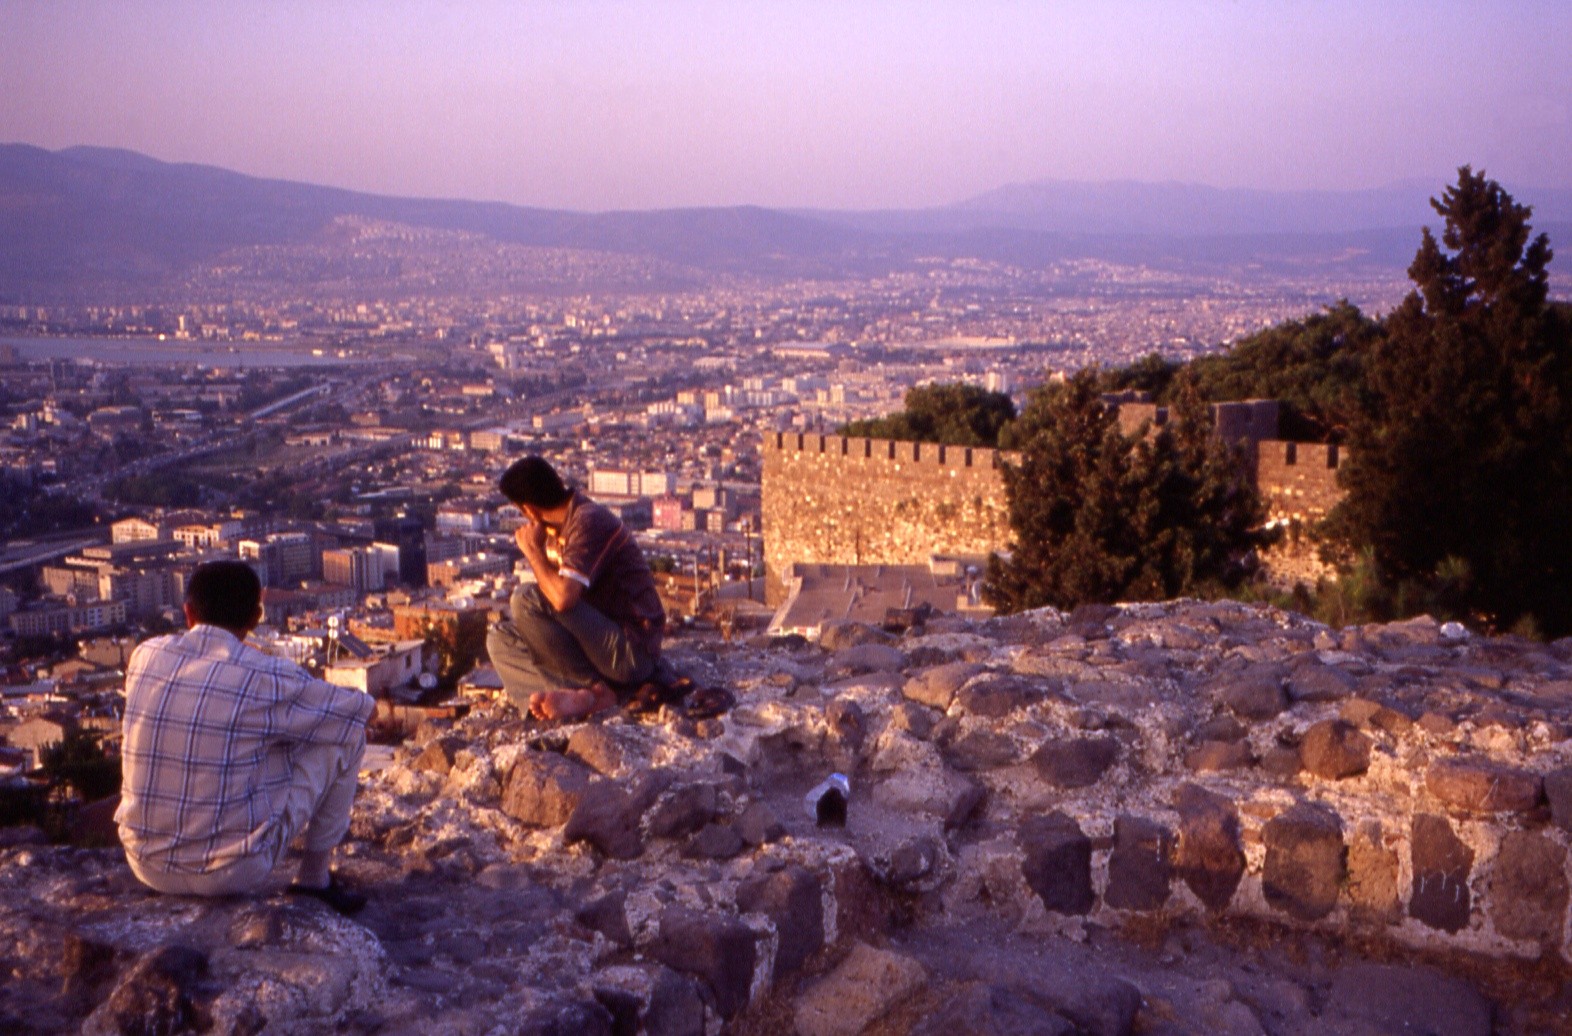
(531, 538)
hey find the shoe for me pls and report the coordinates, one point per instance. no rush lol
(709, 702)
(335, 894)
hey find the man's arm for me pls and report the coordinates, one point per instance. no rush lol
(563, 592)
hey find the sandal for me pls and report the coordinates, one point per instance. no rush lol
(709, 703)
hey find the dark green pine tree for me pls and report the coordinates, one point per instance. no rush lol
(1459, 482)
(955, 414)
(1099, 516)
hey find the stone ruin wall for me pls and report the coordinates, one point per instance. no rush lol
(1298, 482)
(851, 501)
(833, 500)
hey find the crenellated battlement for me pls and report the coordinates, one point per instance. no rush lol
(831, 499)
(879, 450)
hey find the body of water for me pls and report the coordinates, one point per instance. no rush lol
(172, 352)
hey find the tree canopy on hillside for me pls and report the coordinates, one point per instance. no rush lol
(954, 414)
(1098, 516)
(1460, 477)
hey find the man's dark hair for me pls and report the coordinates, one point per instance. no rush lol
(533, 481)
(224, 593)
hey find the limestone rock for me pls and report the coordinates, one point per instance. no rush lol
(1528, 888)
(1057, 862)
(1334, 749)
(1208, 856)
(1305, 861)
(1442, 865)
(1372, 874)
(861, 990)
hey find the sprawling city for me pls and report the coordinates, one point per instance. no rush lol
(785, 519)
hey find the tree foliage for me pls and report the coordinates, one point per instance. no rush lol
(1460, 475)
(1098, 516)
(1315, 367)
(955, 414)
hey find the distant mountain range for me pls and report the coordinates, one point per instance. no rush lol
(87, 224)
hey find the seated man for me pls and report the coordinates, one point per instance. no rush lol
(592, 617)
(229, 753)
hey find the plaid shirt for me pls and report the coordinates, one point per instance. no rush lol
(211, 730)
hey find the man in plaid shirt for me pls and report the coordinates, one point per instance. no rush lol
(229, 753)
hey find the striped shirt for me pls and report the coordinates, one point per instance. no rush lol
(211, 730)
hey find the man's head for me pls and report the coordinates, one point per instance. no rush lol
(533, 482)
(227, 594)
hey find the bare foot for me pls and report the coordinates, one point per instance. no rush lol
(571, 702)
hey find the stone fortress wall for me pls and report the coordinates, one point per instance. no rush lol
(833, 500)
(829, 499)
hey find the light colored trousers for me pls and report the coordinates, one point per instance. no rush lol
(321, 793)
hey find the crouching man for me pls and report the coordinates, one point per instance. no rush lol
(592, 620)
(230, 753)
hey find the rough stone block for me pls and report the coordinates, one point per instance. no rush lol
(1483, 786)
(1372, 874)
(1317, 682)
(1334, 749)
(838, 636)
(936, 687)
(1216, 756)
(1139, 868)
(1076, 762)
(719, 950)
(868, 658)
(981, 749)
(1558, 789)
(996, 695)
(792, 898)
(1057, 862)
(1528, 888)
(1305, 861)
(861, 990)
(1442, 864)
(684, 811)
(543, 788)
(437, 756)
(1397, 998)
(985, 1010)
(1255, 694)
(1208, 855)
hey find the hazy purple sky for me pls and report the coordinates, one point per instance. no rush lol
(592, 104)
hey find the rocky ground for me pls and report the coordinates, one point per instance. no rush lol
(1178, 818)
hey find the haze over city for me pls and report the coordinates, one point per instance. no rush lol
(604, 106)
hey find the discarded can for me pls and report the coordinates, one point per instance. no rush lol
(826, 803)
